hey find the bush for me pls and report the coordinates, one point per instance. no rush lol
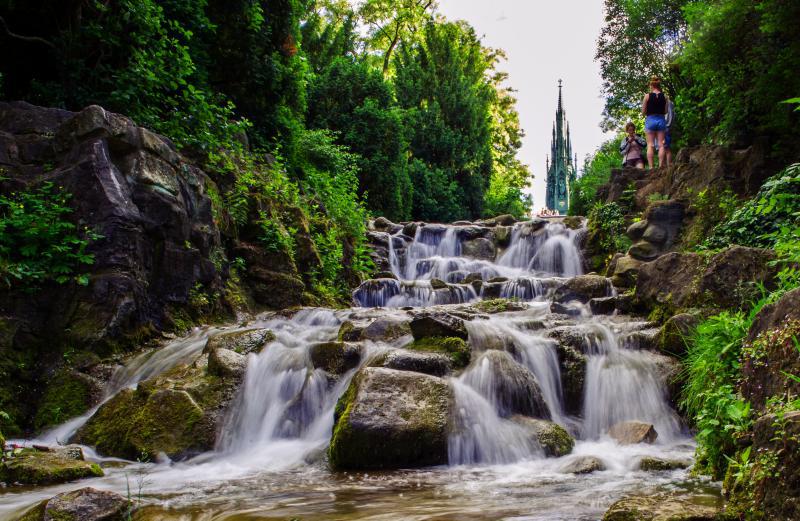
(758, 222)
(37, 242)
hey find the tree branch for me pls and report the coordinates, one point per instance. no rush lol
(30, 39)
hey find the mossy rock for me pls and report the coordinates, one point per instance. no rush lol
(551, 437)
(573, 222)
(85, 504)
(391, 419)
(498, 305)
(457, 348)
(68, 394)
(652, 464)
(335, 357)
(36, 467)
(176, 413)
(663, 507)
(243, 342)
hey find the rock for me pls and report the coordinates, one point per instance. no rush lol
(632, 432)
(775, 438)
(550, 436)
(391, 419)
(473, 277)
(511, 387)
(603, 306)
(410, 229)
(276, 290)
(382, 224)
(242, 342)
(335, 358)
(386, 330)
(226, 363)
(678, 281)
(438, 284)
(456, 348)
(500, 305)
(770, 353)
(432, 363)
(582, 288)
(573, 222)
(663, 507)
(47, 467)
(583, 465)
(655, 234)
(649, 463)
(385, 275)
(177, 413)
(497, 280)
(636, 230)
(437, 325)
(85, 504)
(624, 271)
(502, 236)
(562, 309)
(572, 364)
(504, 220)
(674, 334)
(479, 249)
(644, 251)
(68, 394)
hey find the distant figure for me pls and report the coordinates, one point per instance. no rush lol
(654, 108)
(631, 148)
(668, 134)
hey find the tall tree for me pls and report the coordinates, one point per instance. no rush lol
(444, 83)
(390, 22)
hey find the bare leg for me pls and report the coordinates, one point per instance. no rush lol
(662, 150)
(669, 156)
(649, 149)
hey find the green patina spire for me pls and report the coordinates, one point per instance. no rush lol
(561, 170)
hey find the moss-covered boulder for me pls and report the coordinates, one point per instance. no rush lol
(176, 413)
(68, 394)
(675, 333)
(226, 363)
(663, 507)
(573, 222)
(335, 358)
(573, 376)
(243, 341)
(499, 305)
(456, 348)
(551, 437)
(85, 504)
(391, 419)
(46, 467)
(653, 464)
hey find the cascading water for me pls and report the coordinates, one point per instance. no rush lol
(269, 455)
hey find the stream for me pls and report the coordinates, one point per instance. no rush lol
(270, 464)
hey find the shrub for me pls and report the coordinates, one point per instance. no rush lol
(37, 242)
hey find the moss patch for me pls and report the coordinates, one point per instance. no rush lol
(498, 305)
(68, 395)
(33, 467)
(455, 347)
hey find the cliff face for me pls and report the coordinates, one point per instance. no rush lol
(158, 237)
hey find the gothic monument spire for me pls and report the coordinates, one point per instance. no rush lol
(561, 171)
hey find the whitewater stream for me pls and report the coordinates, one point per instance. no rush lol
(267, 468)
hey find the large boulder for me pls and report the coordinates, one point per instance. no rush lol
(455, 348)
(438, 325)
(435, 364)
(664, 507)
(676, 332)
(509, 386)
(554, 440)
(770, 352)
(391, 419)
(244, 341)
(335, 358)
(133, 188)
(632, 432)
(583, 288)
(679, 281)
(479, 248)
(226, 363)
(177, 413)
(46, 466)
(572, 363)
(85, 504)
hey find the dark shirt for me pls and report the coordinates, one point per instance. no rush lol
(656, 104)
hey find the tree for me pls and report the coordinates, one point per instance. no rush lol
(390, 22)
(596, 172)
(443, 83)
(353, 100)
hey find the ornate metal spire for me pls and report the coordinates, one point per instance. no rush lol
(561, 171)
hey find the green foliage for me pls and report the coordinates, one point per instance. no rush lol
(709, 396)
(596, 172)
(760, 221)
(38, 244)
(607, 227)
(710, 207)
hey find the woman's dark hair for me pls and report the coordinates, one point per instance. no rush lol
(655, 82)
(629, 125)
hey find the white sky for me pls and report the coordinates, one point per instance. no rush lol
(544, 41)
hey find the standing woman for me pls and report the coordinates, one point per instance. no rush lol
(654, 108)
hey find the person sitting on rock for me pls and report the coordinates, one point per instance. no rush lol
(654, 108)
(631, 148)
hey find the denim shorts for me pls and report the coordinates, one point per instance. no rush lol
(655, 123)
(668, 139)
